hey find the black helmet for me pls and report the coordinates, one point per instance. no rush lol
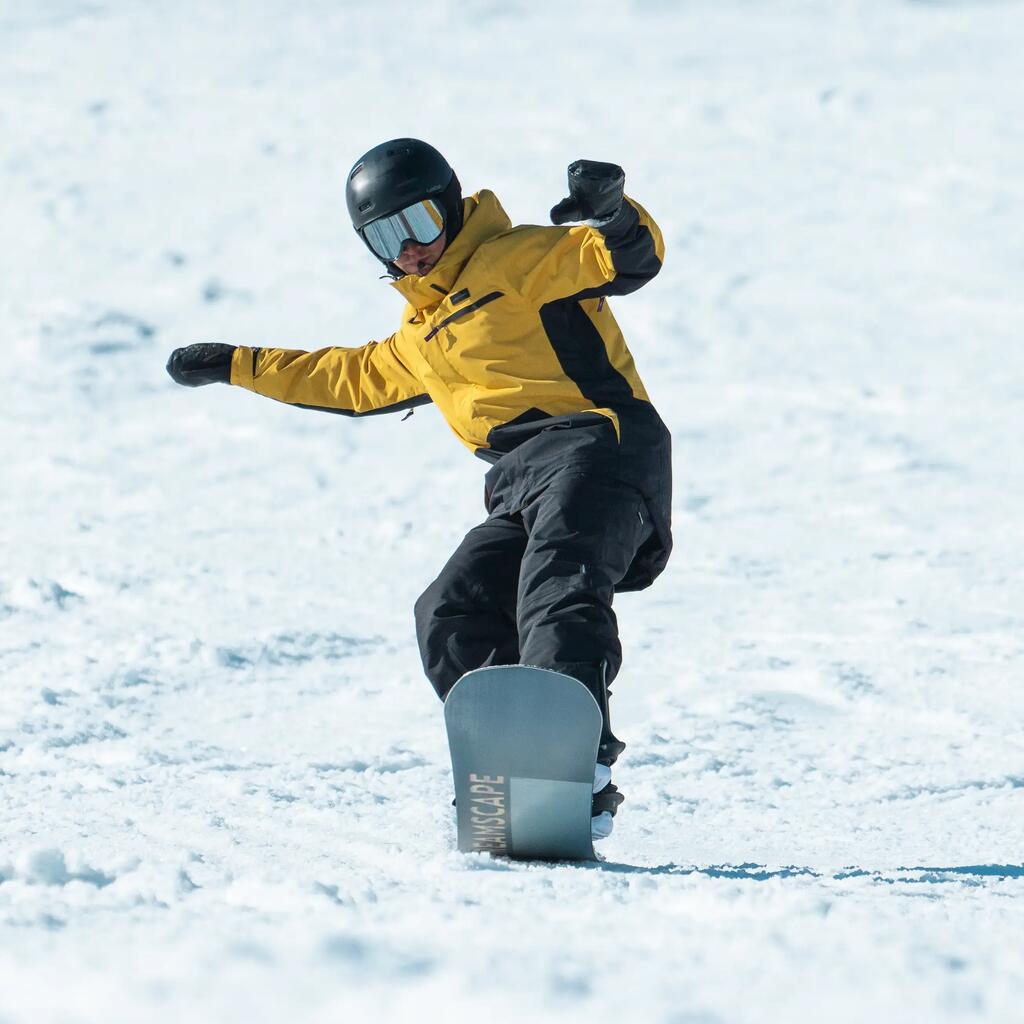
(397, 174)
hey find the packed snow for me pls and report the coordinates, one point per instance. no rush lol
(224, 783)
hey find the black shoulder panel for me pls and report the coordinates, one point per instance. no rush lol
(633, 253)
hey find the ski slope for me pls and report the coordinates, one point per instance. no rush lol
(224, 787)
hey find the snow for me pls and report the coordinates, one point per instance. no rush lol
(224, 790)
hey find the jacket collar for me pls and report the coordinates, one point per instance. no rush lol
(482, 218)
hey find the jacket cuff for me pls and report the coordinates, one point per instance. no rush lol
(624, 220)
(243, 366)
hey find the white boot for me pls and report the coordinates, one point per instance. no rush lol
(601, 824)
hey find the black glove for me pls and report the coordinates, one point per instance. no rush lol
(595, 192)
(195, 365)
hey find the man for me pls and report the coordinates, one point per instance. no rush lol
(509, 333)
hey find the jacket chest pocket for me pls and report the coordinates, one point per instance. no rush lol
(465, 311)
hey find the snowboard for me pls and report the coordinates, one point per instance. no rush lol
(524, 744)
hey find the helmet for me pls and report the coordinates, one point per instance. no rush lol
(395, 175)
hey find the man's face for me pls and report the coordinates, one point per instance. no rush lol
(420, 259)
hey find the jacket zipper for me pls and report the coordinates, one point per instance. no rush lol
(489, 297)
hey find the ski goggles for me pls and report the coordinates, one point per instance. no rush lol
(422, 222)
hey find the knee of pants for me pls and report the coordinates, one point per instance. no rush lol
(568, 604)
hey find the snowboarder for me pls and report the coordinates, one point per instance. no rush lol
(508, 331)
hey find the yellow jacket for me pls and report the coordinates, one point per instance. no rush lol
(510, 334)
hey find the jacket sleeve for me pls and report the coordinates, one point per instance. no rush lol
(351, 381)
(615, 258)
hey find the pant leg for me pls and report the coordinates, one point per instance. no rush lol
(466, 618)
(583, 533)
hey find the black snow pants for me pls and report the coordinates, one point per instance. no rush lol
(536, 587)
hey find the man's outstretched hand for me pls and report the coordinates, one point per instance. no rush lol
(206, 363)
(595, 192)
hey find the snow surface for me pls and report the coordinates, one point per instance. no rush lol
(224, 788)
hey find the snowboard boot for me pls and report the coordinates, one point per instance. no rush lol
(604, 803)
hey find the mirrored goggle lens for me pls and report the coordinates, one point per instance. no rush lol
(422, 222)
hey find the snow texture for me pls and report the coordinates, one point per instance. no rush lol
(224, 786)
